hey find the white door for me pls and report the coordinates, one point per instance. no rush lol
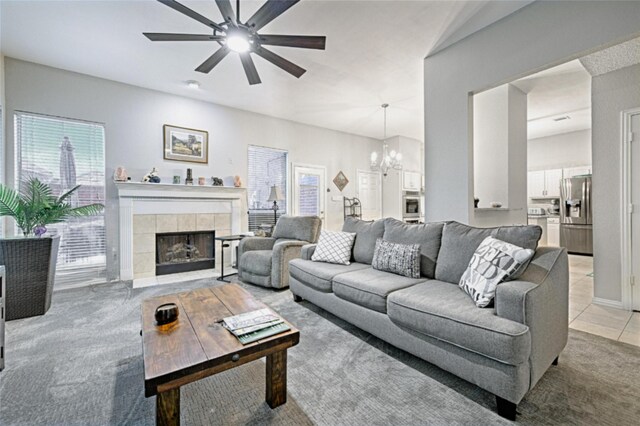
(370, 194)
(309, 190)
(552, 180)
(635, 215)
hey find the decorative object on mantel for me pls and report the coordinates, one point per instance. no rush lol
(237, 182)
(216, 181)
(476, 201)
(152, 176)
(189, 179)
(340, 181)
(275, 195)
(120, 174)
(176, 180)
(183, 144)
(390, 159)
(30, 262)
(166, 313)
(496, 204)
(202, 181)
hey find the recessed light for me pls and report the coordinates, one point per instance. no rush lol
(193, 84)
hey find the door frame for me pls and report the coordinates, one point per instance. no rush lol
(323, 196)
(379, 177)
(625, 209)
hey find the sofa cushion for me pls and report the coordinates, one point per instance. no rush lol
(493, 262)
(257, 262)
(302, 228)
(459, 242)
(445, 312)
(334, 247)
(427, 235)
(366, 235)
(370, 287)
(397, 258)
(318, 275)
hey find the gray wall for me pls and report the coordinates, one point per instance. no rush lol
(561, 151)
(539, 36)
(134, 116)
(611, 94)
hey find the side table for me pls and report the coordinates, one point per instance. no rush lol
(225, 243)
(2, 305)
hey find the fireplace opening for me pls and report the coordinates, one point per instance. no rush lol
(185, 251)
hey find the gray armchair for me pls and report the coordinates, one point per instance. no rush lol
(265, 260)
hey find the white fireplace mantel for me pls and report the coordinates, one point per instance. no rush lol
(156, 198)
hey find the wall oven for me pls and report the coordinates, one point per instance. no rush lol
(410, 205)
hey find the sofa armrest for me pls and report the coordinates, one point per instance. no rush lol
(282, 253)
(540, 300)
(307, 251)
(255, 243)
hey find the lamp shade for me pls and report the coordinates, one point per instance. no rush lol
(275, 194)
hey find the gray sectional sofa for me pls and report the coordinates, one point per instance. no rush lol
(505, 348)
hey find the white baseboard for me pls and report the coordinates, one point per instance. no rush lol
(607, 302)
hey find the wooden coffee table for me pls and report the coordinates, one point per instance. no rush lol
(197, 346)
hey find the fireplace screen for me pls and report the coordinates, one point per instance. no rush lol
(184, 251)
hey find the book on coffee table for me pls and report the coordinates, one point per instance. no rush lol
(255, 325)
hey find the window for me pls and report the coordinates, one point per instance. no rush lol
(39, 143)
(309, 195)
(267, 167)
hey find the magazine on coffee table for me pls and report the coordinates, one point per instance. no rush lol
(255, 325)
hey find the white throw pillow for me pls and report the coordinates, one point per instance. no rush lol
(493, 262)
(334, 247)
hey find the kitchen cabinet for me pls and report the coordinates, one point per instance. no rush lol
(577, 171)
(544, 183)
(411, 181)
(541, 221)
(553, 232)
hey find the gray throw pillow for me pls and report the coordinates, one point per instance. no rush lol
(460, 241)
(428, 235)
(401, 259)
(334, 247)
(493, 262)
(367, 232)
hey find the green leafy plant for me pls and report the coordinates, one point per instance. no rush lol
(35, 206)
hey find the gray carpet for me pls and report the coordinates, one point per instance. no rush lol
(81, 364)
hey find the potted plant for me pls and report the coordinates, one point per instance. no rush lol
(30, 260)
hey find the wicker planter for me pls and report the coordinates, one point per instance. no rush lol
(30, 265)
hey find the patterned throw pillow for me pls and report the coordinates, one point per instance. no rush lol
(334, 247)
(493, 262)
(401, 259)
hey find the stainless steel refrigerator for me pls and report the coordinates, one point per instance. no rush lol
(576, 219)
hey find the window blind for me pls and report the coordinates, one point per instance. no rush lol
(63, 152)
(266, 167)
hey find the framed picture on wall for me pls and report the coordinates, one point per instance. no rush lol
(182, 144)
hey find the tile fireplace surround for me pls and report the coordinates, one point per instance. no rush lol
(146, 209)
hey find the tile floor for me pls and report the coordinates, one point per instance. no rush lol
(604, 321)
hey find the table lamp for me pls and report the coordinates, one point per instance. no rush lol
(275, 196)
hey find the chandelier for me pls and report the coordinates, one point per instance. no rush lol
(389, 159)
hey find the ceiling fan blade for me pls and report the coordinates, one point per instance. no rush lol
(281, 62)
(250, 68)
(268, 12)
(227, 11)
(191, 14)
(182, 37)
(213, 60)
(304, 42)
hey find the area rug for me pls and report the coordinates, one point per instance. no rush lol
(81, 364)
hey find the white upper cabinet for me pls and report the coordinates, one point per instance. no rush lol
(544, 183)
(411, 181)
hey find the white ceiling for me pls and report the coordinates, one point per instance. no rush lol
(374, 53)
(557, 92)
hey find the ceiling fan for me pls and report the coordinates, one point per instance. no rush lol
(243, 38)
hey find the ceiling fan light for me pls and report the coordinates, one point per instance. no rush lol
(238, 43)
